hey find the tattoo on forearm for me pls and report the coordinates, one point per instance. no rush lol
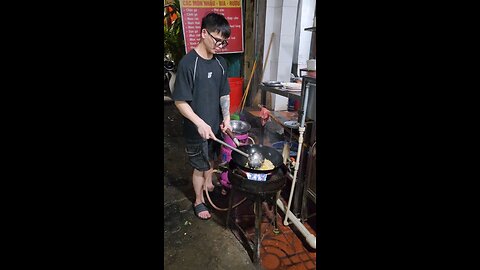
(225, 105)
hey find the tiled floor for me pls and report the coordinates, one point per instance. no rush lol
(284, 250)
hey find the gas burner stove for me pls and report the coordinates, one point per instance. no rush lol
(274, 182)
(259, 192)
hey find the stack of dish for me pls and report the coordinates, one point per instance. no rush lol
(273, 84)
(293, 86)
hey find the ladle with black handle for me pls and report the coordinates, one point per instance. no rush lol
(255, 160)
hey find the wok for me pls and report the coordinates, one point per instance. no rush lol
(268, 152)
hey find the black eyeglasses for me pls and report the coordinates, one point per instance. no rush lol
(222, 43)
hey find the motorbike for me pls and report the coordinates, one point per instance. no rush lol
(169, 74)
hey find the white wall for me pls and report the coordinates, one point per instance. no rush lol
(306, 21)
(281, 19)
(281, 16)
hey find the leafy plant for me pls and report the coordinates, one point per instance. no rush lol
(173, 33)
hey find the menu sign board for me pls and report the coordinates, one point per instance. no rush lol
(193, 12)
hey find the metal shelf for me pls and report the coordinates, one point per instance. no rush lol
(279, 91)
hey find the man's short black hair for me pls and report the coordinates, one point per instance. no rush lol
(215, 22)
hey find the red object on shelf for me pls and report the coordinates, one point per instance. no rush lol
(236, 92)
(296, 105)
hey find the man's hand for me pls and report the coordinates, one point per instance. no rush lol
(205, 131)
(226, 125)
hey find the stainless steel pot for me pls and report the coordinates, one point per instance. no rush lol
(240, 127)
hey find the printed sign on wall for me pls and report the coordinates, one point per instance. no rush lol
(193, 12)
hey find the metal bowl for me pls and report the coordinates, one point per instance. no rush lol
(240, 127)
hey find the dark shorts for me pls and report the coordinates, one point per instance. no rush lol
(200, 154)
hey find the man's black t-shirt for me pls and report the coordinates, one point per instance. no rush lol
(201, 83)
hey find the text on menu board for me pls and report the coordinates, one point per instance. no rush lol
(193, 12)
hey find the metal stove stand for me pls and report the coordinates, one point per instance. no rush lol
(258, 192)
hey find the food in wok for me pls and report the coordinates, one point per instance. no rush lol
(266, 165)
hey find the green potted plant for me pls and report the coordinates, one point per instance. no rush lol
(173, 33)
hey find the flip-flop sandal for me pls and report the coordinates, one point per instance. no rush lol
(200, 208)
